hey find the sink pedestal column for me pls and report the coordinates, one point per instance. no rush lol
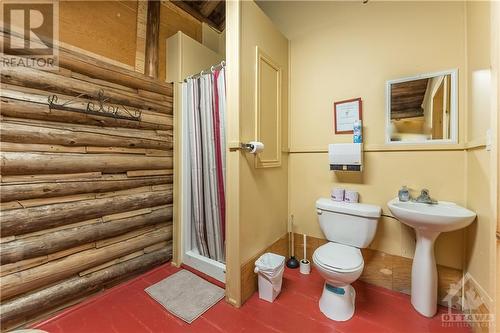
(424, 274)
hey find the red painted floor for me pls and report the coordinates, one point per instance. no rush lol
(127, 308)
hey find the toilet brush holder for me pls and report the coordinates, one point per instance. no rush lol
(305, 266)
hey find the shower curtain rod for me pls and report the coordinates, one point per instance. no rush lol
(222, 64)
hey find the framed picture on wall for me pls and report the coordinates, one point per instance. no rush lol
(345, 113)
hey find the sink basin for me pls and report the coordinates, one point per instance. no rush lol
(428, 220)
(442, 217)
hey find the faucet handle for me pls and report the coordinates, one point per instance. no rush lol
(424, 192)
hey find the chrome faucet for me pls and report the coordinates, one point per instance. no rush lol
(425, 198)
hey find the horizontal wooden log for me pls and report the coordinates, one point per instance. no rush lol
(168, 133)
(21, 265)
(70, 251)
(53, 271)
(131, 213)
(7, 239)
(15, 163)
(155, 247)
(10, 205)
(21, 109)
(28, 263)
(151, 134)
(66, 177)
(50, 148)
(73, 60)
(118, 260)
(153, 95)
(22, 221)
(130, 191)
(156, 152)
(57, 189)
(84, 176)
(123, 238)
(56, 200)
(26, 134)
(78, 104)
(100, 69)
(24, 147)
(140, 173)
(64, 239)
(100, 82)
(78, 286)
(38, 79)
(65, 226)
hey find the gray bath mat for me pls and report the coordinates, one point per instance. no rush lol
(185, 295)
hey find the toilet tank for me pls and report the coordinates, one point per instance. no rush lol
(348, 223)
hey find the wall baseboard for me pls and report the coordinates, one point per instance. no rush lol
(389, 271)
(479, 314)
(381, 269)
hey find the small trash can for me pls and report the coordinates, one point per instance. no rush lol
(270, 268)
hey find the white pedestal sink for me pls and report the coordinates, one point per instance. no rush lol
(428, 220)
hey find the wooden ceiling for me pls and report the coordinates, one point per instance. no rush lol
(407, 98)
(212, 12)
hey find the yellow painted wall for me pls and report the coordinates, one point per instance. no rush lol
(353, 54)
(262, 192)
(478, 58)
(385, 172)
(481, 164)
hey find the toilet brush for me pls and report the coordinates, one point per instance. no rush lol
(292, 262)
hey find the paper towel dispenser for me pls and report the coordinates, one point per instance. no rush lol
(345, 156)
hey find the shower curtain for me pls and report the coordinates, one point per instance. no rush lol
(205, 104)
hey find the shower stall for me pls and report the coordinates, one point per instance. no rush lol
(198, 74)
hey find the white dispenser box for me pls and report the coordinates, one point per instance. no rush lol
(345, 156)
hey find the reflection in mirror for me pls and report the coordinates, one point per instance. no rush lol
(421, 108)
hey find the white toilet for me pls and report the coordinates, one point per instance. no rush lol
(348, 227)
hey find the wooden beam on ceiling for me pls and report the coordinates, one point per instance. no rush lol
(184, 5)
(208, 7)
(409, 113)
(152, 38)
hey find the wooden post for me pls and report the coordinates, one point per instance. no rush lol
(152, 38)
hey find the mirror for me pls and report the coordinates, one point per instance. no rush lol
(422, 109)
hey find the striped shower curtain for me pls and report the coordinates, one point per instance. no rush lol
(205, 104)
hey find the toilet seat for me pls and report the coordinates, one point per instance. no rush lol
(338, 257)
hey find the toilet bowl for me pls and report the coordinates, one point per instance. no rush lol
(349, 227)
(340, 265)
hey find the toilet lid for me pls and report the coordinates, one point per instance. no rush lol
(338, 256)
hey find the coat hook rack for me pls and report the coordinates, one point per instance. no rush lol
(97, 107)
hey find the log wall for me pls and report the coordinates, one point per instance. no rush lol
(86, 199)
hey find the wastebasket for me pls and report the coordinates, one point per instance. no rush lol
(270, 268)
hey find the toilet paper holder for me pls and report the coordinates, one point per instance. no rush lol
(252, 147)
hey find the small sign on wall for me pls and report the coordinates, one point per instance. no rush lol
(345, 113)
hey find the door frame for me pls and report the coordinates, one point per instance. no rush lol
(233, 264)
